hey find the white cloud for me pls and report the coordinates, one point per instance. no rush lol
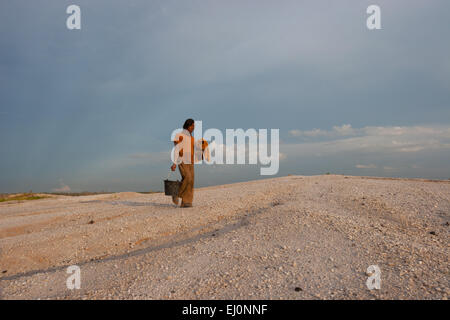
(366, 166)
(411, 149)
(63, 187)
(344, 130)
(337, 131)
(375, 139)
(400, 133)
(384, 149)
(309, 133)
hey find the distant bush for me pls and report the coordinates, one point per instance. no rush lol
(20, 197)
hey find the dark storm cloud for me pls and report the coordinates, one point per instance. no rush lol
(77, 105)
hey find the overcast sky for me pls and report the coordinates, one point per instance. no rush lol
(93, 109)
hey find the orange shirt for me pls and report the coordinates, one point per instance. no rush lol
(180, 137)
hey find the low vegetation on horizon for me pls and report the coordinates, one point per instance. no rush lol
(20, 197)
(35, 196)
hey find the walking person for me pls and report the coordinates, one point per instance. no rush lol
(185, 159)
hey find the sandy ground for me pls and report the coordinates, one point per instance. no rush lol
(293, 237)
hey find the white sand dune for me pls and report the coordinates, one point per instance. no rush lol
(293, 237)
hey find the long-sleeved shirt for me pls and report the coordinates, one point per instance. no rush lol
(185, 142)
(190, 151)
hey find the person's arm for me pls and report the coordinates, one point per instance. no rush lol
(177, 140)
(205, 150)
(174, 166)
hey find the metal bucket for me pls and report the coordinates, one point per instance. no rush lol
(171, 187)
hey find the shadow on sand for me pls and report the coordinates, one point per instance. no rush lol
(133, 203)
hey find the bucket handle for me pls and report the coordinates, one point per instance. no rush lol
(168, 175)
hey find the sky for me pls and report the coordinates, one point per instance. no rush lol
(93, 109)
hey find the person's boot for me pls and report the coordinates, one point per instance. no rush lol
(175, 200)
(186, 205)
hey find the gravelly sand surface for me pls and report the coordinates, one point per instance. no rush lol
(293, 237)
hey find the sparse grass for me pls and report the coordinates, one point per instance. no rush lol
(77, 194)
(20, 197)
(87, 193)
(4, 197)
